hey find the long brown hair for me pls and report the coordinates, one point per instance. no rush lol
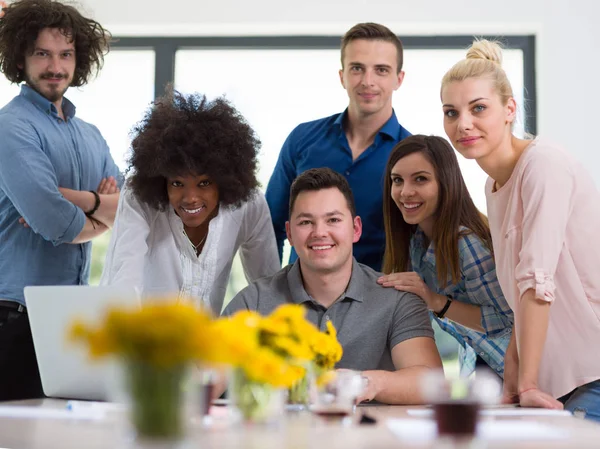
(455, 209)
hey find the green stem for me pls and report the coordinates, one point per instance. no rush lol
(254, 400)
(156, 395)
(299, 393)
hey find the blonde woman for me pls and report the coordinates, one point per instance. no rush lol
(544, 213)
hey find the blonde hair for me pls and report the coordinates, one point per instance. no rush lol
(483, 60)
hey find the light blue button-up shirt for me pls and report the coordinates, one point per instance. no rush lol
(478, 285)
(40, 152)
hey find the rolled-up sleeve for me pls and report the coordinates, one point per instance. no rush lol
(29, 181)
(546, 194)
(482, 286)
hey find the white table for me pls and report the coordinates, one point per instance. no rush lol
(298, 431)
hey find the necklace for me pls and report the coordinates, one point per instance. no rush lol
(192, 243)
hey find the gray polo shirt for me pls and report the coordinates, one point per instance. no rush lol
(370, 319)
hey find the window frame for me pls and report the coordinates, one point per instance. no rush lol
(165, 49)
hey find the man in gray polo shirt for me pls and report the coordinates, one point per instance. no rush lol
(385, 333)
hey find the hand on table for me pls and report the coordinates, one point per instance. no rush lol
(537, 398)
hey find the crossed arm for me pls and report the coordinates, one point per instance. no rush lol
(103, 218)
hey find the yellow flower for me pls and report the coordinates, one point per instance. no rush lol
(328, 351)
(162, 334)
(232, 343)
(292, 348)
(326, 377)
(267, 367)
(291, 312)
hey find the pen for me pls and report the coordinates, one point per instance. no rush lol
(93, 407)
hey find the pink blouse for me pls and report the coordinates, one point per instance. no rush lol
(545, 225)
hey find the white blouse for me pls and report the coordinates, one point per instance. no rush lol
(149, 250)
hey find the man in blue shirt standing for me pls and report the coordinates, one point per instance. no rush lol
(355, 143)
(54, 171)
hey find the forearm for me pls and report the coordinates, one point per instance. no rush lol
(401, 387)
(86, 200)
(531, 335)
(90, 230)
(468, 315)
(108, 209)
(512, 354)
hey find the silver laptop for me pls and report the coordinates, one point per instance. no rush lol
(65, 368)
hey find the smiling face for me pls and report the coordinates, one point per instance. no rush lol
(415, 190)
(195, 198)
(50, 66)
(321, 230)
(370, 76)
(475, 120)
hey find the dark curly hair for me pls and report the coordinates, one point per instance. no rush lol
(188, 134)
(22, 22)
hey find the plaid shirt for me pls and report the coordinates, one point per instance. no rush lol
(479, 286)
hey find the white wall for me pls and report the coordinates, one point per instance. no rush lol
(568, 42)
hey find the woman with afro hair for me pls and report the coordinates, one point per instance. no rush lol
(191, 202)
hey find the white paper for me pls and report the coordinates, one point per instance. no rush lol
(520, 411)
(420, 430)
(9, 411)
(512, 411)
(519, 430)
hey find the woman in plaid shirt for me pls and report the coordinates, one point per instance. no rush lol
(438, 246)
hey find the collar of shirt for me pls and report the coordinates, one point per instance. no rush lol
(354, 291)
(417, 249)
(46, 105)
(391, 128)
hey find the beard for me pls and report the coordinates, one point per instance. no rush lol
(52, 93)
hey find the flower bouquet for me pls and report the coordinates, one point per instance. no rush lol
(156, 345)
(326, 352)
(269, 355)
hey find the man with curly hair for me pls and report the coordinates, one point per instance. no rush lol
(190, 204)
(57, 178)
(355, 143)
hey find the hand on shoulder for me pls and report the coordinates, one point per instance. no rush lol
(410, 281)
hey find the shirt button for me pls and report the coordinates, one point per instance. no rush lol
(327, 317)
(347, 173)
(481, 353)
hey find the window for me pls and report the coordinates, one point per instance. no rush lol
(278, 89)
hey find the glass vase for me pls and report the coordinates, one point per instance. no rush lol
(156, 400)
(256, 402)
(301, 394)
